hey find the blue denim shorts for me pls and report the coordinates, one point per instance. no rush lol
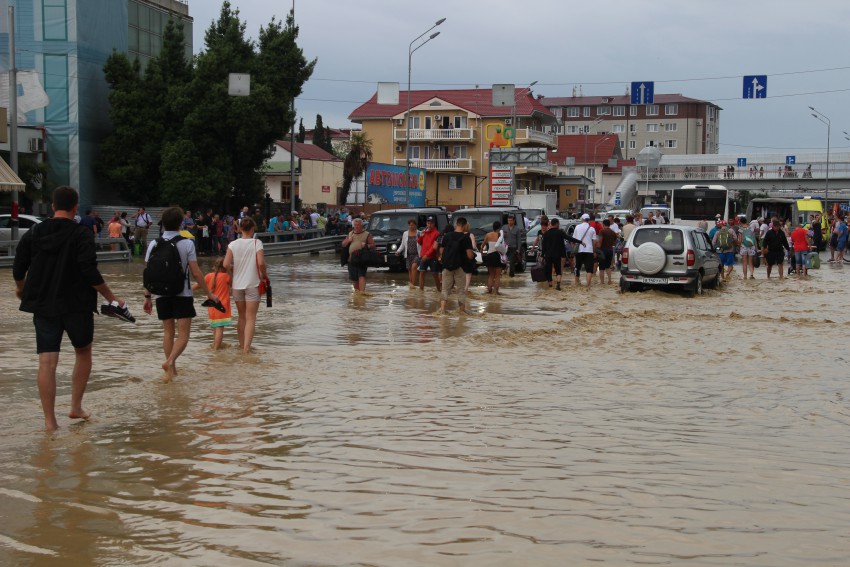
(727, 258)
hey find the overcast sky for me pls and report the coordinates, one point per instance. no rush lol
(697, 48)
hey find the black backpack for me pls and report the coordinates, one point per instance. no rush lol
(164, 274)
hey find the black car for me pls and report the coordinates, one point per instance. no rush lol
(388, 227)
(481, 221)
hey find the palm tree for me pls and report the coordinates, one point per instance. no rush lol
(358, 158)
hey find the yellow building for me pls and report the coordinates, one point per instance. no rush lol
(451, 134)
(318, 174)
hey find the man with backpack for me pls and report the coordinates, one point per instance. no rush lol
(455, 250)
(724, 242)
(170, 259)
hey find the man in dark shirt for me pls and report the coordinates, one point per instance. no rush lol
(607, 241)
(89, 222)
(774, 246)
(57, 280)
(512, 235)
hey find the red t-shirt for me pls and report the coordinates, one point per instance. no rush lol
(427, 240)
(798, 237)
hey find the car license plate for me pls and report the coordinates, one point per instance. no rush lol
(654, 280)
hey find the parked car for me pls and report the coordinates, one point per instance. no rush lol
(481, 221)
(387, 228)
(25, 222)
(671, 256)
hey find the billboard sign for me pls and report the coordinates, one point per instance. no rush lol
(388, 184)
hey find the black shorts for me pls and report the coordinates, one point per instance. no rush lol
(49, 330)
(175, 307)
(607, 258)
(775, 258)
(356, 271)
(584, 259)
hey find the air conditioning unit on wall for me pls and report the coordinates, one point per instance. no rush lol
(398, 148)
(36, 145)
(399, 121)
(507, 121)
(438, 117)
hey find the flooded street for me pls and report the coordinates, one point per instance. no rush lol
(546, 428)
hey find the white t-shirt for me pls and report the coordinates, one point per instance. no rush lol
(245, 272)
(587, 234)
(186, 249)
(763, 230)
(314, 219)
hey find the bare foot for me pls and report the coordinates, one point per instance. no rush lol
(50, 425)
(168, 372)
(174, 370)
(79, 414)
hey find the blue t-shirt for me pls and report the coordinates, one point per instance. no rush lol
(842, 232)
(88, 222)
(273, 224)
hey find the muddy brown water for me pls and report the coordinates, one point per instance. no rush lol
(546, 428)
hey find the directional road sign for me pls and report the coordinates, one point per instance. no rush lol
(755, 86)
(643, 92)
(790, 160)
(742, 162)
(617, 199)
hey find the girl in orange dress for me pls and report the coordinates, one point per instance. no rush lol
(219, 282)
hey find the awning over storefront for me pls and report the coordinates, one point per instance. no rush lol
(9, 181)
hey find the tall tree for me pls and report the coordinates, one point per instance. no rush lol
(319, 132)
(355, 163)
(302, 133)
(329, 143)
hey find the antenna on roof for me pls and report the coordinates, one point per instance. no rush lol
(580, 91)
(574, 91)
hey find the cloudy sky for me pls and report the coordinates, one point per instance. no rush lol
(698, 48)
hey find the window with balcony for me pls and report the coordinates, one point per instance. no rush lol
(671, 109)
(460, 122)
(460, 152)
(414, 152)
(572, 112)
(619, 111)
(671, 127)
(603, 111)
(652, 110)
(586, 111)
(632, 111)
(413, 122)
(671, 144)
(619, 128)
(652, 127)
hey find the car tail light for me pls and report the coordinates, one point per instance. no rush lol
(625, 255)
(691, 258)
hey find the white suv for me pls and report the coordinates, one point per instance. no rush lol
(669, 255)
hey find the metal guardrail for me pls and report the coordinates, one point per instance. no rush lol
(105, 252)
(287, 243)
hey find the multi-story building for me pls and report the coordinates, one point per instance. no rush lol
(451, 134)
(61, 48)
(674, 123)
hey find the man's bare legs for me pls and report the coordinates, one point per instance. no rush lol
(173, 346)
(47, 363)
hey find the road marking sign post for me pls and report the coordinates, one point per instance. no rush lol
(742, 162)
(643, 92)
(790, 160)
(755, 86)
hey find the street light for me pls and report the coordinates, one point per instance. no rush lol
(410, 50)
(602, 139)
(822, 117)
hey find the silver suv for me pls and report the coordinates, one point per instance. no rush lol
(669, 255)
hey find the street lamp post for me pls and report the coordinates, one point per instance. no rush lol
(593, 201)
(822, 117)
(410, 50)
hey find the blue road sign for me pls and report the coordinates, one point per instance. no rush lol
(755, 86)
(643, 92)
(617, 198)
(790, 160)
(742, 162)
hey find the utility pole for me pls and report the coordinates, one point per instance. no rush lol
(292, 141)
(13, 119)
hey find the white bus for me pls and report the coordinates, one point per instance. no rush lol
(692, 203)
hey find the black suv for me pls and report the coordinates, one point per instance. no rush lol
(388, 227)
(481, 221)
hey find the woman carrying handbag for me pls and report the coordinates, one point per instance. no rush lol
(247, 265)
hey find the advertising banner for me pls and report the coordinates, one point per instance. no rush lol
(387, 184)
(501, 180)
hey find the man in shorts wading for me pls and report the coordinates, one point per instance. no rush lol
(586, 234)
(775, 244)
(428, 260)
(455, 250)
(176, 311)
(57, 280)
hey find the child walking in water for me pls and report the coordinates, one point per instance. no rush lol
(218, 281)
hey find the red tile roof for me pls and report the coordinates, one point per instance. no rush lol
(308, 152)
(336, 133)
(552, 101)
(477, 101)
(575, 145)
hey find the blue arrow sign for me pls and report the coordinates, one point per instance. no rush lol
(755, 86)
(790, 160)
(742, 162)
(643, 92)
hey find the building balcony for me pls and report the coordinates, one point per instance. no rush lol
(543, 169)
(435, 135)
(463, 164)
(529, 136)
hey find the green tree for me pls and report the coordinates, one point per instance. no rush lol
(329, 144)
(319, 132)
(302, 133)
(179, 137)
(355, 163)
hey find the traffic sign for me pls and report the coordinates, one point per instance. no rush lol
(643, 92)
(617, 198)
(742, 162)
(755, 86)
(790, 160)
